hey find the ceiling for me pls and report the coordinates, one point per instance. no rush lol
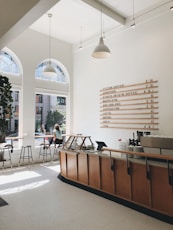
(72, 20)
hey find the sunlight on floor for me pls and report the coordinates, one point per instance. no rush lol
(18, 176)
(23, 187)
(55, 168)
(17, 180)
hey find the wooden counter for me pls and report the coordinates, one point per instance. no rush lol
(142, 183)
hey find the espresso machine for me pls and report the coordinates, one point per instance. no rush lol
(137, 141)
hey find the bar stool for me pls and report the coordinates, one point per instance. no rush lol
(57, 148)
(26, 154)
(5, 153)
(45, 151)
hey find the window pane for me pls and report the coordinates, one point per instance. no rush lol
(8, 64)
(60, 77)
(13, 122)
(50, 110)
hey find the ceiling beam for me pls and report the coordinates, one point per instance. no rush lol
(7, 20)
(106, 10)
(28, 15)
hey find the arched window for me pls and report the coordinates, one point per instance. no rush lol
(8, 63)
(52, 99)
(60, 75)
(11, 66)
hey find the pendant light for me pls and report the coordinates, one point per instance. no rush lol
(49, 70)
(134, 23)
(101, 50)
(171, 7)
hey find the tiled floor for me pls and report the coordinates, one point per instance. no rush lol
(39, 201)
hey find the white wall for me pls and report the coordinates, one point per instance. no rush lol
(138, 54)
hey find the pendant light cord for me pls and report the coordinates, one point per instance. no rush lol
(133, 10)
(81, 38)
(49, 69)
(49, 15)
(101, 17)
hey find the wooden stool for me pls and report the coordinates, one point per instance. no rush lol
(26, 154)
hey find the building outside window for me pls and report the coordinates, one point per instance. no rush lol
(49, 113)
(39, 98)
(16, 96)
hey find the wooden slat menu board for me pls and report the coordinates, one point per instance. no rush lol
(132, 106)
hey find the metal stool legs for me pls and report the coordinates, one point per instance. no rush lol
(56, 150)
(6, 154)
(45, 151)
(26, 153)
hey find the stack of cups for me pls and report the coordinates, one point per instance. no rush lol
(130, 148)
(123, 146)
(138, 149)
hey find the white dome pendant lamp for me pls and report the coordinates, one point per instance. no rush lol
(49, 70)
(101, 50)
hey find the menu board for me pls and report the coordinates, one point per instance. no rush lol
(132, 106)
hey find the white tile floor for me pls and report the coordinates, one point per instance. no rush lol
(39, 201)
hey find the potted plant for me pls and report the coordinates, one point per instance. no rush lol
(6, 100)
